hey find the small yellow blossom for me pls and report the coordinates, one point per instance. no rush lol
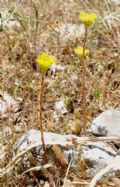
(45, 61)
(80, 52)
(88, 18)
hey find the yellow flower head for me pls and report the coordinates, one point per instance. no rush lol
(80, 52)
(88, 18)
(45, 61)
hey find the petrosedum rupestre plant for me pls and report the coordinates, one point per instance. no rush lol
(87, 19)
(44, 61)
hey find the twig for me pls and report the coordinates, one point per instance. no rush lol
(81, 140)
(51, 181)
(37, 168)
(65, 179)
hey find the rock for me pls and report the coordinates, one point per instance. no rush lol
(57, 67)
(70, 31)
(60, 110)
(8, 21)
(7, 104)
(33, 136)
(12, 24)
(107, 123)
(46, 184)
(99, 154)
(60, 107)
(114, 2)
(116, 163)
(54, 143)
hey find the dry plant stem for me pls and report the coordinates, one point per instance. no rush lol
(41, 125)
(36, 21)
(84, 104)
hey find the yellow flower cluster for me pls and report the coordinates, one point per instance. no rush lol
(45, 61)
(80, 51)
(87, 18)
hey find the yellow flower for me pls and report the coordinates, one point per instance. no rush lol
(45, 61)
(88, 18)
(80, 52)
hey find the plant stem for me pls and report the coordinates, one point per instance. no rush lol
(36, 21)
(84, 104)
(41, 125)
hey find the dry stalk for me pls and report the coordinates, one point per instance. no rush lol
(41, 125)
(84, 104)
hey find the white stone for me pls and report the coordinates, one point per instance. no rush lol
(56, 67)
(7, 104)
(46, 184)
(99, 153)
(12, 24)
(116, 2)
(116, 164)
(107, 123)
(8, 20)
(70, 31)
(5, 16)
(34, 136)
(60, 107)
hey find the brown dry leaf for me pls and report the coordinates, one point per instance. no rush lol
(59, 155)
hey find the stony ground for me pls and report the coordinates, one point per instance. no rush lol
(29, 28)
